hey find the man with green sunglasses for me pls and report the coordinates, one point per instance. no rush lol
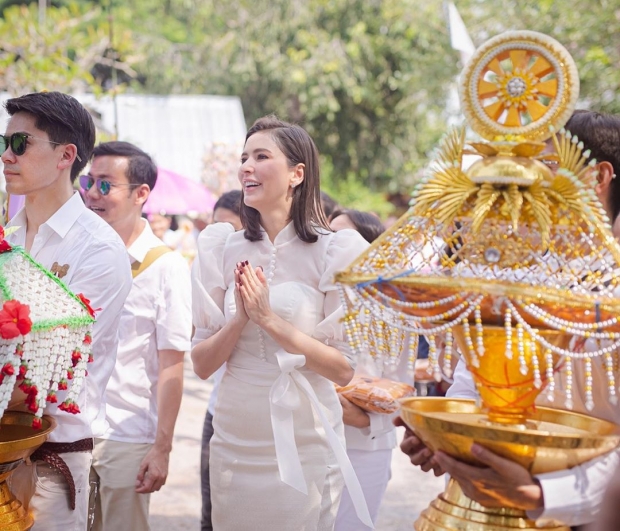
(48, 140)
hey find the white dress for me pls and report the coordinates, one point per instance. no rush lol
(276, 458)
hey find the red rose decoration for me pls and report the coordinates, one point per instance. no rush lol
(4, 245)
(69, 406)
(88, 339)
(14, 319)
(86, 303)
(36, 423)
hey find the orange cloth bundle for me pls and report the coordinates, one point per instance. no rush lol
(375, 395)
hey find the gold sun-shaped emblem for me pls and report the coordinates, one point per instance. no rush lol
(519, 84)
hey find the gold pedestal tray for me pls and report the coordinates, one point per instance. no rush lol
(551, 440)
(18, 440)
(452, 510)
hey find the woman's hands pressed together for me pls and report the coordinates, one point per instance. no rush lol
(254, 292)
(241, 315)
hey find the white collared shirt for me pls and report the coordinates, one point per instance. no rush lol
(157, 316)
(98, 267)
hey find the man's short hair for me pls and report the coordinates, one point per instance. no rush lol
(63, 118)
(140, 170)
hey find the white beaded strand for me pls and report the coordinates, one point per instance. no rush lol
(550, 375)
(508, 330)
(535, 364)
(611, 379)
(447, 355)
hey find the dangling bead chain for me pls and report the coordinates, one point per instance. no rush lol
(414, 340)
(479, 331)
(589, 399)
(535, 364)
(611, 379)
(576, 355)
(569, 383)
(470, 344)
(550, 376)
(508, 329)
(571, 327)
(521, 349)
(447, 355)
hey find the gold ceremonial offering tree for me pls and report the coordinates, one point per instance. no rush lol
(512, 262)
(45, 345)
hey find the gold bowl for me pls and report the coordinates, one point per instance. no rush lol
(18, 440)
(553, 439)
(508, 396)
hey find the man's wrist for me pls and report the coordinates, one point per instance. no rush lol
(533, 496)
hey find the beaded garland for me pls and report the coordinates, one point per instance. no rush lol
(572, 284)
(507, 242)
(45, 335)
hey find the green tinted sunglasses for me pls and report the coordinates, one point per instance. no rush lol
(103, 186)
(19, 142)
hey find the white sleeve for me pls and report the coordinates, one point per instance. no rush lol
(208, 285)
(574, 496)
(463, 385)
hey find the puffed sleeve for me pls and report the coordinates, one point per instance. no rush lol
(208, 285)
(343, 248)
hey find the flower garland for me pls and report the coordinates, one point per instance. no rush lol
(45, 335)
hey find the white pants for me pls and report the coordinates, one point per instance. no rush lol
(118, 507)
(373, 470)
(44, 491)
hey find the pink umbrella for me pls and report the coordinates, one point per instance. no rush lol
(175, 194)
(15, 203)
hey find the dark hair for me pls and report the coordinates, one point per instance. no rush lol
(306, 212)
(230, 201)
(368, 225)
(328, 204)
(63, 118)
(600, 133)
(140, 170)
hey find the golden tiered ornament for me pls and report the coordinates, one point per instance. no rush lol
(509, 262)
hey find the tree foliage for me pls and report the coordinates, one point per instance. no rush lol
(70, 51)
(367, 78)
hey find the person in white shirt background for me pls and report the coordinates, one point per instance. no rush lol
(48, 141)
(226, 210)
(572, 496)
(130, 459)
(370, 437)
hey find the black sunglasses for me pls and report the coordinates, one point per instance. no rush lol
(19, 142)
(104, 187)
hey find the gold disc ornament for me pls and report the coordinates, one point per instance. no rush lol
(518, 85)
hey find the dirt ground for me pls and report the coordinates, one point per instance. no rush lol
(176, 507)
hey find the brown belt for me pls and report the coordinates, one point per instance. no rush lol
(49, 452)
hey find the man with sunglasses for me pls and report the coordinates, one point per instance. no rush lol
(48, 140)
(144, 393)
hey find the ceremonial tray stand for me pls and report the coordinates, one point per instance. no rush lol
(510, 262)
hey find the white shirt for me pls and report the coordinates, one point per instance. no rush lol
(157, 316)
(572, 496)
(99, 269)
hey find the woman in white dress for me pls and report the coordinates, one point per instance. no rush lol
(266, 304)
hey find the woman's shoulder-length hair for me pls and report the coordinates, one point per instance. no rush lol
(306, 212)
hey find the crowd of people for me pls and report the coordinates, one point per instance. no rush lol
(261, 315)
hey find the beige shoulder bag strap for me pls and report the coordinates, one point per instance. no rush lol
(151, 256)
